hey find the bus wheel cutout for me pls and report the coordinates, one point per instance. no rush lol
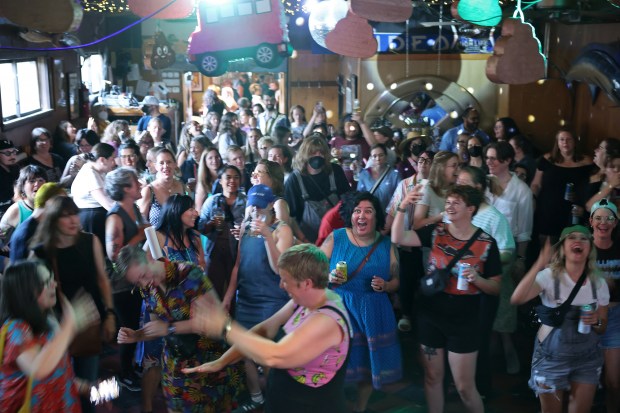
(211, 65)
(267, 56)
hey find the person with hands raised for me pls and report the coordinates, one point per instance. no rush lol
(169, 288)
(566, 278)
(36, 370)
(449, 320)
(307, 363)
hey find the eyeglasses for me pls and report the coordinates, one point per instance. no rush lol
(10, 152)
(609, 218)
(424, 161)
(492, 159)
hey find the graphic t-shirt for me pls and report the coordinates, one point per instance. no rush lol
(608, 261)
(482, 255)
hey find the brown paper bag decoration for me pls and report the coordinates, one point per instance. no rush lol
(352, 37)
(516, 57)
(382, 10)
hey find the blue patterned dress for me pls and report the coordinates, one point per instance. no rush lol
(375, 350)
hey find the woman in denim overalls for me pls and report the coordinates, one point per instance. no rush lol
(565, 361)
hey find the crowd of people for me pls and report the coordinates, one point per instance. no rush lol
(286, 256)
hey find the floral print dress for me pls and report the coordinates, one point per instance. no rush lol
(207, 393)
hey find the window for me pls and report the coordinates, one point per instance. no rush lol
(263, 6)
(24, 88)
(244, 8)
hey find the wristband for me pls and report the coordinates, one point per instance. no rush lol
(171, 329)
(226, 329)
(399, 209)
(110, 311)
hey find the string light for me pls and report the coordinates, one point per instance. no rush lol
(105, 6)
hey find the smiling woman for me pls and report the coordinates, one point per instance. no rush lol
(557, 276)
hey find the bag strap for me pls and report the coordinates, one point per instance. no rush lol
(575, 289)
(304, 192)
(365, 260)
(463, 250)
(381, 178)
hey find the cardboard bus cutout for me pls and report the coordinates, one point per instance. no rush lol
(234, 30)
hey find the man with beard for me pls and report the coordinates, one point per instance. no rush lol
(270, 118)
(150, 107)
(471, 121)
(353, 147)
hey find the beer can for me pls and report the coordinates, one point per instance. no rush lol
(569, 192)
(342, 267)
(462, 284)
(582, 327)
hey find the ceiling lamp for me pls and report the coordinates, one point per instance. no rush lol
(480, 12)
(324, 16)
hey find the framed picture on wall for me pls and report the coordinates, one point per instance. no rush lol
(196, 82)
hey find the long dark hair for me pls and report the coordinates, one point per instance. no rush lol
(171, 224)
(47, 231)
(20, 287)
(379, 214)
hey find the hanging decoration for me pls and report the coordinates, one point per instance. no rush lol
(517, 57)
(486, 13)
(44, 15)
(352, 37)
(158, 53)
(104, 6)
(394, 11)
(178, 10)
(323, 18)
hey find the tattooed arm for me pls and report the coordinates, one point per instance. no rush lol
(113, 236)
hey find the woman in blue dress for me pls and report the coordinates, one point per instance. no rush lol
(255, 276)
(373, 269)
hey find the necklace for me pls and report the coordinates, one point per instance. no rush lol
(357, 241)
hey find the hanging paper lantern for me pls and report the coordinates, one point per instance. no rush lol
(480, 12)
(324, 16)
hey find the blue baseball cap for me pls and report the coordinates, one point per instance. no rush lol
(260, 196)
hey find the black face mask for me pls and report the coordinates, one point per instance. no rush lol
(475, 151)
(316, 162)
(416, 150)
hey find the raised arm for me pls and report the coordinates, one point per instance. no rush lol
(401, 236)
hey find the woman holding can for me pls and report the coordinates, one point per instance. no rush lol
(449, 321)
(561, 182)
(566, 363)
(373, 270)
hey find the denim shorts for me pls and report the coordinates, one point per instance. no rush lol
(556, 363)
(611, 338)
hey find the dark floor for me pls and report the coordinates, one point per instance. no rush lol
(510, 392)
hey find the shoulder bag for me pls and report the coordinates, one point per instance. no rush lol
(436, 281)
(554, 316)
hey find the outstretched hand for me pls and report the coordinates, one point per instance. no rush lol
(81, 311)
(208, 316)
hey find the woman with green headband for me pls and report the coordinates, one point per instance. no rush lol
(567, 359)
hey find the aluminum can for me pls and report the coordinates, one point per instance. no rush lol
(584, 328)
(462, 284)
(342, 267)
(569, 192)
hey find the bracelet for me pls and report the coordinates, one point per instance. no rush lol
(171, 329)
(110, 311)
(226, 329)
(399, 209)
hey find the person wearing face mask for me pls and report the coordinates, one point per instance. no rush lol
(474, 150)
(411, 148)
(315, 185)
(150, 107)
(471, 121)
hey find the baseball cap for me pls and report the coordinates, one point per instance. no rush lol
(6, 144)
(150, 100)
(260, 196)
(574, 228)
(604, 203)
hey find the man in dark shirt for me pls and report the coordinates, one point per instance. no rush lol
(8, 173)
